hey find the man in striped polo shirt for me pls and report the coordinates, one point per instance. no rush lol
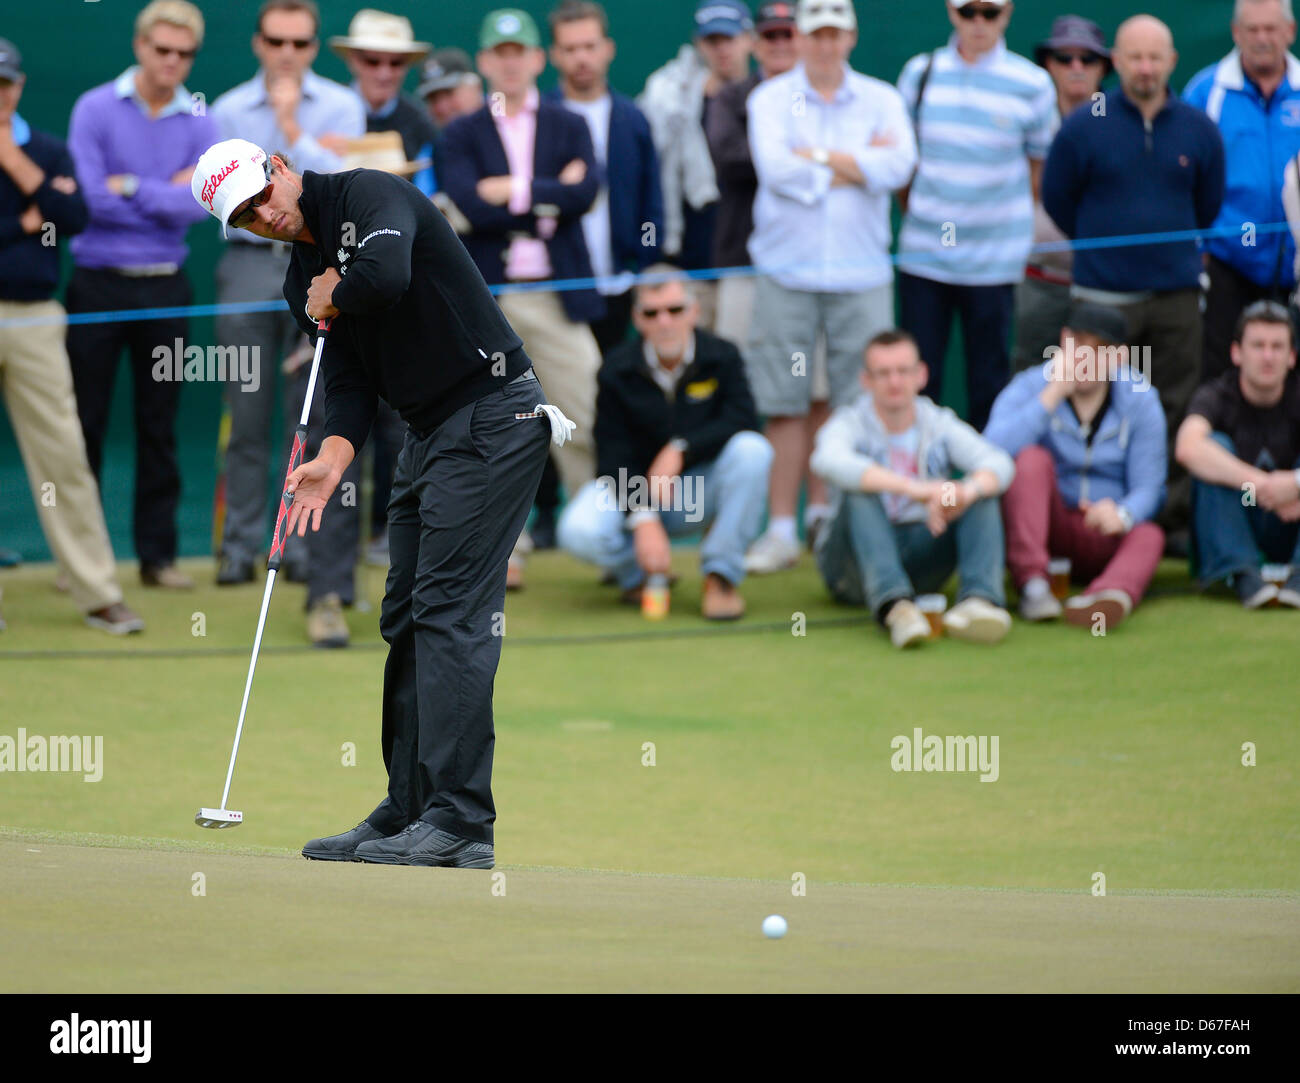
(985, 118)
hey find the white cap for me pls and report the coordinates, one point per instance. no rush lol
(815, 14)
(228, 173)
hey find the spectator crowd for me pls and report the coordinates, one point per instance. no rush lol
(741, 284)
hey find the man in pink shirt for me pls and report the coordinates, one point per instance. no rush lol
(523, 172)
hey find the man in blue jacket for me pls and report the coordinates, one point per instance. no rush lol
(1088, 437)
(1141, 161)
(623, 226)
(1253, 95)
(523, 172)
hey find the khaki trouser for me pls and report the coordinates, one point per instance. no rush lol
(566, 359)
(37, 384)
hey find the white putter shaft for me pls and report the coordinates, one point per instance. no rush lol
(224, 817)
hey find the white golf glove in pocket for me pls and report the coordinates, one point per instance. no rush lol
(562, 428)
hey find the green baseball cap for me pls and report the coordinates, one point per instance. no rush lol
(509, 25)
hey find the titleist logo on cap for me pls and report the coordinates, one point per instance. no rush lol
(211, 185)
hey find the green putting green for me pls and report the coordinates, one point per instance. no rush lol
(716, 762)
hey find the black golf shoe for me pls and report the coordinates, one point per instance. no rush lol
(341, 847)
(424, 844)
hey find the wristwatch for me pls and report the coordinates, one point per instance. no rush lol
(821, 156)
(130, 185)
(1125, 517)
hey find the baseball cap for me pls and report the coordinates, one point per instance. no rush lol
(816, 14)
(729, 17)
(11, 61)
(446, 69)
(228, 173)
(1107, 323)
(1073, 32)
(774, 16)
(509, 25)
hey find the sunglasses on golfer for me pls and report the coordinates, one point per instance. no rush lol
(1067, 59)
(246, 217)
(672, 310)
(970, 12)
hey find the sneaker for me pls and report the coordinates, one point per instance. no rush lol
(325, 624)
(771, 554)
(424, 844)
(10, 558)
(721, 600)
(377, 551)
(116, 619)
(1289, 594)
(515, 573)
(907, 624)
(977, 621)
(1113, 606)
(341, 847)
(234, 570)
(165, 575)
(1252, 590)
(1037, 602)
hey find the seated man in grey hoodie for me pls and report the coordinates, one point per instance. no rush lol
(900, 521)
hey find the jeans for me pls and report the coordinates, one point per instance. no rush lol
(868, 560)
(732, 492)
(1230, 537)
(1039, 526)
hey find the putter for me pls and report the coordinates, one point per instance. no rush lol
(223, 817)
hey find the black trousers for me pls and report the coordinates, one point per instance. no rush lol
(926, 309)
(1230, 292)
(460, 497)
(94, 350)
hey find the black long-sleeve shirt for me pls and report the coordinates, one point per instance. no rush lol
(29, 263)
(417, 324)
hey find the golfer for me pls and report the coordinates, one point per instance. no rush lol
(415, 324)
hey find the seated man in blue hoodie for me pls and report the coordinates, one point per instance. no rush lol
(900, 522)
(1241, 444)
(1088, 436)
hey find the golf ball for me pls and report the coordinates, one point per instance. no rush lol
(774, 926)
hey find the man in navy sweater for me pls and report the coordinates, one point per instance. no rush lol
(623, 226)
(522, 172)
(1141, 161)
(40, 204)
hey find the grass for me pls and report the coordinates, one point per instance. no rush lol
(1119, 755)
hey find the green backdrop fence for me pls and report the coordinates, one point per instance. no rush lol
(69, 47)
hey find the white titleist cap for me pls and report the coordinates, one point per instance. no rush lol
(815, 14)
(228, 173)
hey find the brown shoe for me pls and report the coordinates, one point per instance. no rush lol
(116, 619)
(165, 575)
(325, 624)
(721, 601)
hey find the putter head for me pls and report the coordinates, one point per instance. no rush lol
(218, 817)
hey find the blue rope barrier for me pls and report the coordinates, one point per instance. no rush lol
(1131, 240)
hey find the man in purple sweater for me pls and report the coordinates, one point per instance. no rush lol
(135, 141)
